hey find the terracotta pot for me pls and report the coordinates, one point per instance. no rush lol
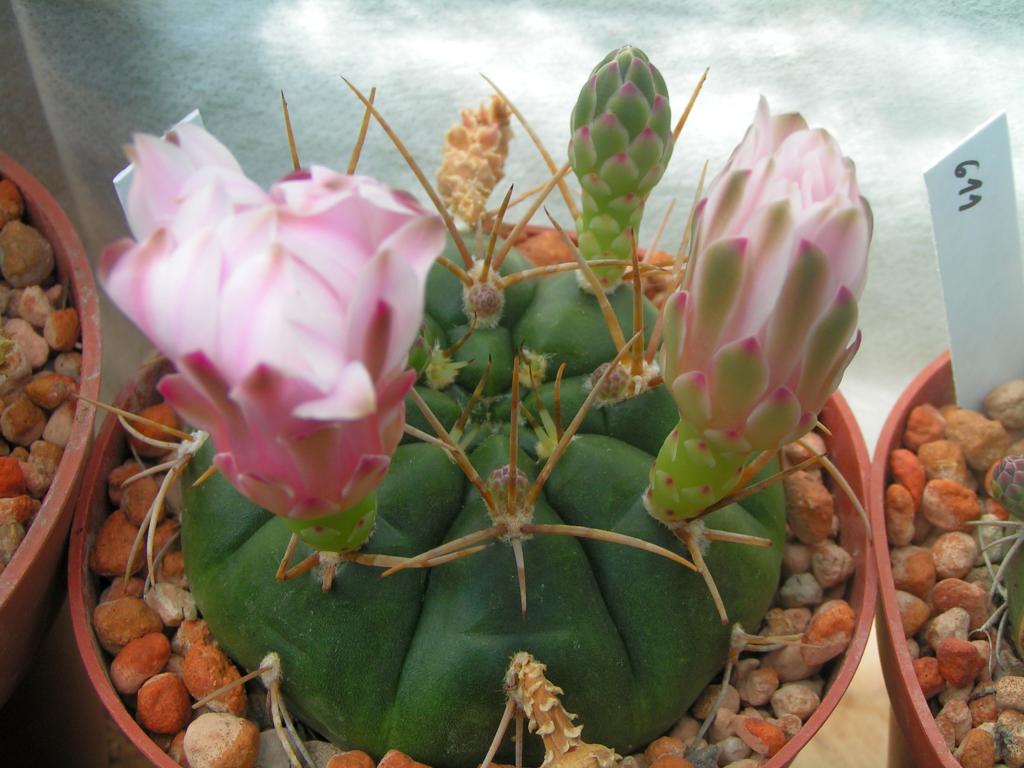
(30, 591)
(850, 455)
(910, 709)
(847, 450)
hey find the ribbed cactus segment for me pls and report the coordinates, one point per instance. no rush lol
(621, 143)
(1008, 484)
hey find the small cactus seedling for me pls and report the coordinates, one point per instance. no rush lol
(476, 461)
(1008, 484)
(1007, 487)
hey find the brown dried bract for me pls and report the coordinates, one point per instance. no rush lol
(538, 698)
(474, 159)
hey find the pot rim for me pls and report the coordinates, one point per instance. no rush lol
(910, 707)
(862, 591)
(837, 411)
(53, 517)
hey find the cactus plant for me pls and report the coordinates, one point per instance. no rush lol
(512, 521)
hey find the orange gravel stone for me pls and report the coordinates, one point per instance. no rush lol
(947, 730)
(927, 670)
(914, 612)
(924, 424)
(913, 570)
(45, 457)
(118, 622)
(983, 710)
(899, 515)
(164, 531)
(22, 422)
(48, 390)
(163, 705)
(984, 441)
(218, 740)
(546, 247)
(138, 661)
(136, 498)
(761, 736)
(809, 507)
(396, 759)
(993, 507)
(954, 553)
(177, 749)
(206, 670)
(162, 414)
(944, 460)
(666, 745)
(908, 471)
(113, 545)
(18, 509)
(12, 479)
(62, 329)
(118, 588)
(829, 632)
(12, 207)
(353, 759)
(191, 632)
(977, 750)
(948, 505)
(959, 662)
(117, 476)
(172, 567)
(953, 593)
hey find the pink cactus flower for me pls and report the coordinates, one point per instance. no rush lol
(766, 327)
(289, 315)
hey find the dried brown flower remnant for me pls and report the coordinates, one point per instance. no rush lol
(538, 698)
(474, 159)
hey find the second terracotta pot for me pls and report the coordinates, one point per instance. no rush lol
(923, 742)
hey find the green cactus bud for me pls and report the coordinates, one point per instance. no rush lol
(621, 143)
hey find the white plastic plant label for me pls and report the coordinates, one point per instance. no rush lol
(123, 180)
(977, 240)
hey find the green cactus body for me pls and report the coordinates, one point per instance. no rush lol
(620, 146)
(415, 661)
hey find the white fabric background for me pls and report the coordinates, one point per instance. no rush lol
(898, 84)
